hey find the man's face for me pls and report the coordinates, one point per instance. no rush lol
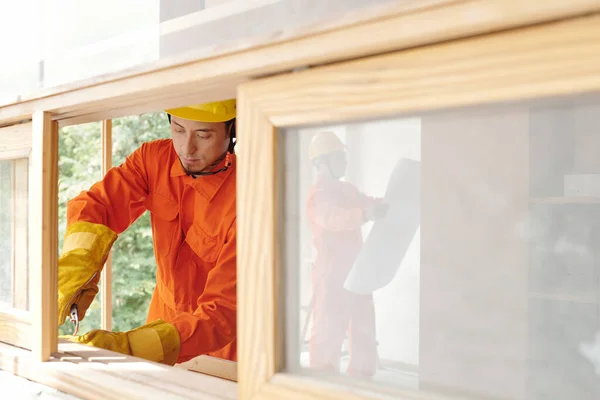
(335, 164)
(338, 163)
(198, 144)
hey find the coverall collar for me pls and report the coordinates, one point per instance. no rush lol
(207, 186)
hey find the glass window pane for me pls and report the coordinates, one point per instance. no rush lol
(5, 234)
(134, 265)
(79, 167)
(14, 201)
(453, 252)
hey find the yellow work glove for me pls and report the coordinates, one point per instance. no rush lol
(84, 253)
(157, 341)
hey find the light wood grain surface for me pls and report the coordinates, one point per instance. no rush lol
(516, 65)
(106, 276)
(256, 208)
(43, 244)
(92, 373)
(213, 366)
(210, 74)
(15, 327)
(15, 141)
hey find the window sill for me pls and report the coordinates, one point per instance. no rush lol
(90, 372)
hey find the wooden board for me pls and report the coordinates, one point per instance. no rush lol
(15, 141)
(389, 239)
(15, 327)
(106, 276)
(211, 74)
(256, 280)
(43, 245)
(213, 366)
(92, 373)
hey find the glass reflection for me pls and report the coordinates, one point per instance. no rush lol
(455, 252)
(14, 203)
(5, 234)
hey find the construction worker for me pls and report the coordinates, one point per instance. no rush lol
(188, 185)
(336, 210)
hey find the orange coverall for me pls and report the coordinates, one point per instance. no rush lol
(194, 234)
(335, 212)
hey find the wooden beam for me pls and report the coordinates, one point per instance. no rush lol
(43, 235)
(106, 277)
(93, 373)
(213, 73)
(213, 366)
(452, 81)
(15, 138)
(256, 280)
(15, 327)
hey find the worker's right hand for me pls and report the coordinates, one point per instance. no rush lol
(376, 211)
(157, 341)
(85, 250)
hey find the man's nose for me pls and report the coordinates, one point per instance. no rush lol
(189, 145)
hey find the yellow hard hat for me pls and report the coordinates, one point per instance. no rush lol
(324, 143)
(218, 111)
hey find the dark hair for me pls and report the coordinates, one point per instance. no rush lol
(229, 128)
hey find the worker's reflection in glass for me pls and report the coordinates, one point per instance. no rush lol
(336, 210)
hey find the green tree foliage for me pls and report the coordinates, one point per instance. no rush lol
(134, 266)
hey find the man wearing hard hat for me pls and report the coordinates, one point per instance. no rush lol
(188, 185)
(336, 211)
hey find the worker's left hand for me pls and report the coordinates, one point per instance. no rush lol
(157, 341)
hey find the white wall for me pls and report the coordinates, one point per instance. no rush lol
(374, 149)
(474, 259)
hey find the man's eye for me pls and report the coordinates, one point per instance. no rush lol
(179, 131)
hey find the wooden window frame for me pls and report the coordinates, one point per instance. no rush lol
(18, 324)
(106, 276)
(214, 74)
(554, 59)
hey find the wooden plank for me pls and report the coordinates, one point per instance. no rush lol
(561, 58)
(44, 235)
(106, 276)
(213, 74)
(93, 373)
(549, 59)
(284, 386)
(20, 235)
(160, 376)
(15, 139)
(256, 218)
(213, 366)
(15, 327)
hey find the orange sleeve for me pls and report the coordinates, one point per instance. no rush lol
(212, 325)
(115, 200)
(325, 213)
